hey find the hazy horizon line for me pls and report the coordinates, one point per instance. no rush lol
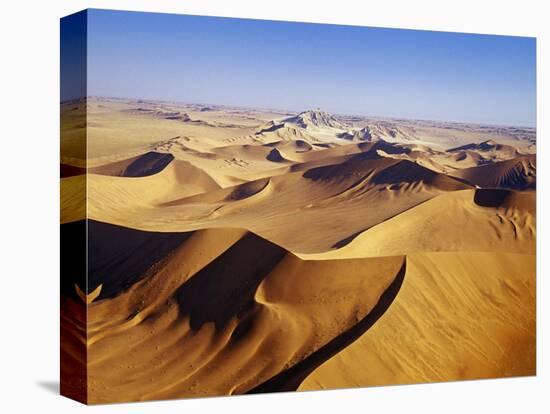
(298, 111)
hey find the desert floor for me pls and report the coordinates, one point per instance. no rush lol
(236, 250)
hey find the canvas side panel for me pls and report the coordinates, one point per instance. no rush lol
(73, 229)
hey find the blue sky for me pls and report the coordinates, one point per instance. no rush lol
(299, 66)
(72, 60)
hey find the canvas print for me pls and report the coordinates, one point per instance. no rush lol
(253, 206)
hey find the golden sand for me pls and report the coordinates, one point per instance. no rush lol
(235, 251)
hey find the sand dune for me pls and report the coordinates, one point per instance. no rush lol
(250, 327)
(518, 173)
(468, 220)
(457, 316)
(295, 146)
(465, 156)
(236, 250)
(277, 208)
(489, 149)
(177, 179)
(139, 166)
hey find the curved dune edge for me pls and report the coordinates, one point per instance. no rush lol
(450, 222)
(290, 379)
(517, 173)
(458, 316)
(255, 318)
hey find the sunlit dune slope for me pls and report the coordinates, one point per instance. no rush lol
(457, 316)
(209, 306)
(470, 220)
(518, 173)
(178, 178)
(489, 149)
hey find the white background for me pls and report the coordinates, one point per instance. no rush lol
(29, 192)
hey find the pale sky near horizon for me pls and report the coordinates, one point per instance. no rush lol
(298, 66)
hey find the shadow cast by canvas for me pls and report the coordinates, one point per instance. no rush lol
(50, 386)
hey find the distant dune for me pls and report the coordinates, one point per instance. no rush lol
(293, 209)
(518, 173)
(489, 146)
(496, 220)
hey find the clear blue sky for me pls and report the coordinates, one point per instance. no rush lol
(298, 66)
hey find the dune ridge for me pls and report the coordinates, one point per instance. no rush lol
(451, 321)
(518, 173)
(224, 330)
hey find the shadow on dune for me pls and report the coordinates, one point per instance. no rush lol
(271, 128)
(404, 172)
(247, 189)
(226, 287)
(148, 164)
(144, 165)
(275, 156)
(118, 256)
(359, 166)
(490, 197)
(290, 379)
(322, 145)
